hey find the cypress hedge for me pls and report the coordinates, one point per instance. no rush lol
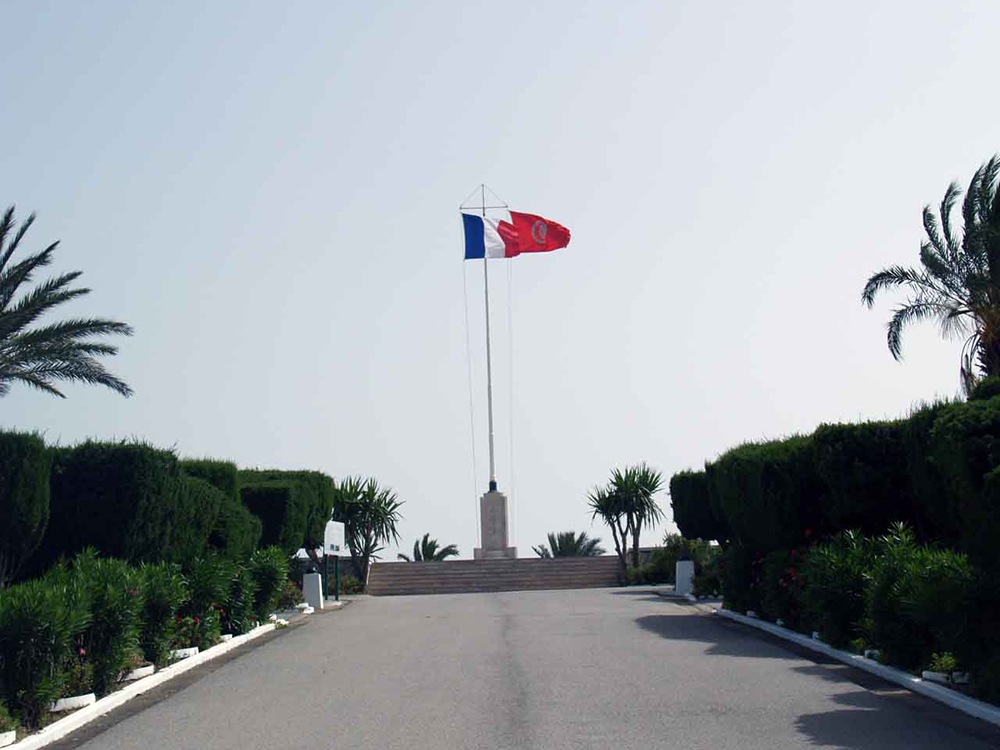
(317, 489)
(121, 498)
(282, 510)
(25, 464)
(236, 531)
(692, 507)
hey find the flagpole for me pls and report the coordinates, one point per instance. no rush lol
(489, 363)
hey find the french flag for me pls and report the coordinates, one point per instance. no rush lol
(489, 238)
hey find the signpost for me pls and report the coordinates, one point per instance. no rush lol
(333, 544)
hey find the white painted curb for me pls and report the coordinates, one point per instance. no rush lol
(59, 729)
(949, 697)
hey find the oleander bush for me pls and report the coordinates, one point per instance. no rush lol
(238, 616)
(164, 593)
(209, 580)
(269, 569)
(831, 586)
(7, 722)
(36, 638)
(116, 603)
(291, 595)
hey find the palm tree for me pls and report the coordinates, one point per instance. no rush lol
(426, 550)
(42, 355)
(370, 514)
(626, 505)
(568, 544)
(958, 281)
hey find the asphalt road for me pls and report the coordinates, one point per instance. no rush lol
(604, 668)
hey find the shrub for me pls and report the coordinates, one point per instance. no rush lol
(779, 586)
(348, 585)
(317, 490)
(291, 594)
(236, 532)
(269, 568)
(164, 593)
(708, 583)
(986, 389)
(36, 635)
(768, 493)
(237, 616)
(740, 574)
(25, 465)
(209, 580)
(692, 506)
(121, 498)
(112, 639)
(832, 584)
(197, 513)
(863, 468)
(7, 722)
(281, 508)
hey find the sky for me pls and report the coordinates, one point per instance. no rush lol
(268, 193)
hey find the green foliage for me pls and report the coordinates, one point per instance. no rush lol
(567, 544)
(282, 509)
(209, 580)
(832, 584)
(236, 531)
(769, 493)
(956, 282)
(986, 389)
(290, 595)
(708, 583)
(25, 465)
(662, 562)
(428, 550)
(318, 492)
(43, 355)
(370, 514)
(626, 504)
(865, 475)
(116, 603)
(164, 593)
(740, 574)
(348, 585)
(269, 569)
(37, 628)
(120, 497)
(237, 614)
(197, 513)
(779, 586)
(692, 506)
(7, 722)
(945, 662)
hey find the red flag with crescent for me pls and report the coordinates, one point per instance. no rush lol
(536, 234)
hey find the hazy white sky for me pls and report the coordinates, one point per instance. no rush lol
(268, 193)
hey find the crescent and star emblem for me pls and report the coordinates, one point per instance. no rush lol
(539, 231)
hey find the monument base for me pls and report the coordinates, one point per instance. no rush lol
(493, 517)
(508, 553)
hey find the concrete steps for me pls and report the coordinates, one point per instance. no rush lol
(471, 576)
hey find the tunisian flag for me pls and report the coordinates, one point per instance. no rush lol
(536, 234)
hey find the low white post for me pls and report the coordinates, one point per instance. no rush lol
(684, 577)
(312, 590)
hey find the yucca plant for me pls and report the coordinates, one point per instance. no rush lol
(958, 281)
(44, 355)
(370, 514)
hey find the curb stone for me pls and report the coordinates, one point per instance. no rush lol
(949, 697)
(59, 729)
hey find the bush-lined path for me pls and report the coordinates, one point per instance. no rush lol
(591, 668)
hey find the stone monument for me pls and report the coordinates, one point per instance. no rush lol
(493, 518)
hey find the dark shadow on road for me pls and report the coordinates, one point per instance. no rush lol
(719, 635)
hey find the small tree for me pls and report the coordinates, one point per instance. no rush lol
(43, 355)
(568, 544)
(370, 515)
(426, 550)
(626, 505)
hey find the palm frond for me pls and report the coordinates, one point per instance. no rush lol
(888, 278)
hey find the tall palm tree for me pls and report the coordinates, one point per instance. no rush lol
(370, 515)
(958, 281)
(42, 355)
(568, 544)
(426, 550)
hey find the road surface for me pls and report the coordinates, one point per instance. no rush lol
(601, 668)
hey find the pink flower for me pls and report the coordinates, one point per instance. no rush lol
(83, 652)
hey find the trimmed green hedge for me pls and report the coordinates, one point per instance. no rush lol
(122, 498)
(236, 531)
(197, 514)
(317, 490)
(692, 507)
(282, 510)
(25, 464)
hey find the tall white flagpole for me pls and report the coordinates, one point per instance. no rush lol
(489, 363)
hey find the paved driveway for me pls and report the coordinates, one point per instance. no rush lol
(602, 668)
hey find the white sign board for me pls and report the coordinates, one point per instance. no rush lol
(333, 540)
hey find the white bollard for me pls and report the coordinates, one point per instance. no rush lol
(684, 577)
(312, 589)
